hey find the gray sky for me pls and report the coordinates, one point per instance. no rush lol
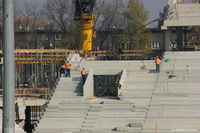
(154, 7)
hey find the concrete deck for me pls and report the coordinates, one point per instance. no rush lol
(183, 15)
(149, 102)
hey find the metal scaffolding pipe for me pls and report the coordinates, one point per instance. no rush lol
(8, 71)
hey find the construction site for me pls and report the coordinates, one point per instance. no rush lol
(122, 92)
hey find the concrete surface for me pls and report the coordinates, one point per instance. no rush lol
(150, 102)
(122, 82)
(88, 88)
(182, 15)
(18, 129)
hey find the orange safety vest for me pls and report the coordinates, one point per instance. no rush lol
(157, 61)
(63, 66)
(68, 66)
(83, 72)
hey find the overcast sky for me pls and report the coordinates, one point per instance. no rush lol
(153, 6)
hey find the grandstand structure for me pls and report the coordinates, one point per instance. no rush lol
(183, 17)
(146, 102)
(119, 96)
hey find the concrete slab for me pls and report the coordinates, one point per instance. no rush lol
(148, 99)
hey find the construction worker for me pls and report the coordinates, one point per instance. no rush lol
(62, 70)
(68, 67)
(157, 62)
(188, 70)
(83, 73)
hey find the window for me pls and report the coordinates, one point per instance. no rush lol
(158, 45)
(44, 37)
(57, 37)
(155, 45)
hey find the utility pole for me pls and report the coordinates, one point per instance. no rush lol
(8, 68)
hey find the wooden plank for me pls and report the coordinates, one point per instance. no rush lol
(44, 51)
(26, 89)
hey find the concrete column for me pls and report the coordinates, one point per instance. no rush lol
(8, 69)
(179, 33)
(28, 127)
(185, 37)
(167, 39)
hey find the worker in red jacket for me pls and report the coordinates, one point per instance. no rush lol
(157, 62)
(83, 73)
(68, 67)
(62, 70)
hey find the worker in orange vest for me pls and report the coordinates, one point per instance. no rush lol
(62, 70)
(68, 67)
(83, 73)
(157, 62)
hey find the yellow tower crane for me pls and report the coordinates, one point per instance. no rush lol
(87, 25)
(84, 14)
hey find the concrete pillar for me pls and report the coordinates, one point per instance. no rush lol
(9, 113)
(167, 39)
(28, 126)
(185, 37)
(179, 34)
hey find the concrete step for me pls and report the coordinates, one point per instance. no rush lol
(70, 130)
(134, 96)
(64, 115)
(128, 129)
(68, 97)
(90, 120)
(126, 114)
(69, 83)
(66, 89)
(92, 125)
(92, 115)
(87, 129)
(68, 93)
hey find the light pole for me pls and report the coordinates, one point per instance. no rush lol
(8, 71)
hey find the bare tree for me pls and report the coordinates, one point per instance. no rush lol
(31, 22)
(59, 12)
(110, 20)
(61, 15)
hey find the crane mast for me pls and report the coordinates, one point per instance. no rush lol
(84, 14)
